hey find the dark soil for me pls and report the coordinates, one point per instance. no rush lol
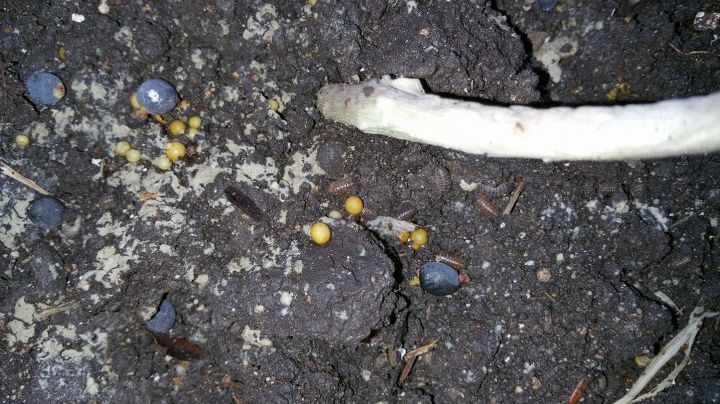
(562, 288)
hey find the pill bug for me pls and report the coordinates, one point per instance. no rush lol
(406, 211)
(344, 186)
(437, 177)
(452, 259)
(501, 189)
(486, 206)
(244, 202)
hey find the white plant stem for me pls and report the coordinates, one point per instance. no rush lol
(399, 108)
(684, 339)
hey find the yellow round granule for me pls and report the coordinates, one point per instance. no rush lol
(175, 150)
(122, 148)
(419, 238)
(163, 163)
(133, 156)
(335, 214)
(134, 103)
(404, 237)
(320, 233)
(274, 104)
(176, 127)
(195, 122)
(22, 140)
(353, 205)
(191, 133)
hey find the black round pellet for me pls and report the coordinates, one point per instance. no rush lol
(46, 212)
(439, 279)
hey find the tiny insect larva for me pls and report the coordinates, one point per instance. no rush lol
(343, 186)
(452, 259)
(501, 189)
(406, 211)
(485, 206)
(244, 202)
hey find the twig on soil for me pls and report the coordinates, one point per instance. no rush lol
(422, 349)
(7, 170)
(676, 49)
(406, 370)
(668, 301)
(514, 198)
(399, 108)
(412, 356)
(683, 340)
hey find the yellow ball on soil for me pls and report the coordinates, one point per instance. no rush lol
(353, 205)
(133, 156)
(176, 127)
(320, 233)
(175, 150)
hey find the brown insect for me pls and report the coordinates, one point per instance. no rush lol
(344, 186)
(501, 189)
(244, 202)
(486, 206)
(179, 347)
(406, 211)
(579, 391)
(452, 259)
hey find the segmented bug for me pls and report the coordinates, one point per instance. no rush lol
(244, 202)
(406, 211)
(439, 177)
(452, 259)
(501, 189)
(485, 206)
(343, 186)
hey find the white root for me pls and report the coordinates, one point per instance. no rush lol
(399, 108)
(684, 339)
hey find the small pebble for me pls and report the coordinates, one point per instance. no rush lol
(163, 319)
(439, 279)
(157, 96)
(46, 211)
(44, 88)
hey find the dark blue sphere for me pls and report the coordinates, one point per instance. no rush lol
(44, 88)
(46, 212)
(546, 5)
(439, 279)
(157, 96)
(164, 319)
